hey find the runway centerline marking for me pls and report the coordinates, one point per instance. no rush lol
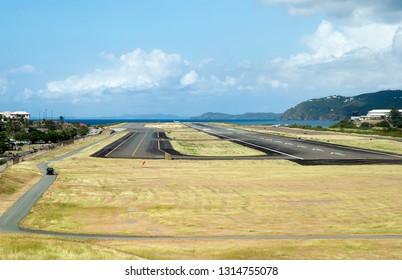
(142, 140)
(338, 154)
(120, 144)
(258, 146)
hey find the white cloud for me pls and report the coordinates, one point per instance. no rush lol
(357, 47)
(377, 10)
(108, 56)
(25, 69)
(25, 95)
(156, 72)
(133, 71)
(223, 84)
(245, 64)
(273, 83)
(328, 44)
(189, 78)
(397, 42)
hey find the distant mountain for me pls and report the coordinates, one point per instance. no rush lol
(337, 107)
(246, 116)
(149, 117)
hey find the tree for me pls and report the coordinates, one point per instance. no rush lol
(365, 125)
(4, 142)
(395, 118)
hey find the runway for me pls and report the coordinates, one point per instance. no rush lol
(140, 142)
(298, 150)
(146, 143)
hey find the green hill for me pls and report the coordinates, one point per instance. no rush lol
(337, 107)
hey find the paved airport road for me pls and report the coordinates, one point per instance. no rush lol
(294, 149)
(10, 220)
(143, 143)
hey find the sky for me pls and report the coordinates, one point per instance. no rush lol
(108, 58)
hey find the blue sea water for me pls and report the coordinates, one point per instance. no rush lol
(271, 122)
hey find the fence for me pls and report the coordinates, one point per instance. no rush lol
(30, 154)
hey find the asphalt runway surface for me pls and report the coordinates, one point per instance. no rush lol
(298, 150)
(140, 142)
(148, 143)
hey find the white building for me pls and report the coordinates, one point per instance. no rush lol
(15, 115)
(377, 114)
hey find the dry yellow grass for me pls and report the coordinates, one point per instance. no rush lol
(213, 148)
(189, 141)
(189, 198)
(15, 181)
(40, 247)
(203, 198)
(235, 249)
(19, 178)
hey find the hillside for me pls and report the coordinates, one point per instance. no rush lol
(337, 107)
(246, 116)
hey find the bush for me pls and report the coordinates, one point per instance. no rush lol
(383, 124)
(344, 124)
(365, 125)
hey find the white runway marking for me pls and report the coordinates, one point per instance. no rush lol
(140, 143)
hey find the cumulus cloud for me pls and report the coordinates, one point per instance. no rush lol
(189, 78)
(158, 72)
(137, 70)
(358, 45)
(328, 44)
(384, 10)
(25, 69)
(273, 83)
(397, 42)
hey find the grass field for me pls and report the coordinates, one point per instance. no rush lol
(189, 141)
(189, 198)
(39, 247)
(218, 198)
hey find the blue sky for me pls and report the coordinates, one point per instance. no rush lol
(109, 58)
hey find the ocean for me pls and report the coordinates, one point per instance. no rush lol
(270, 122)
